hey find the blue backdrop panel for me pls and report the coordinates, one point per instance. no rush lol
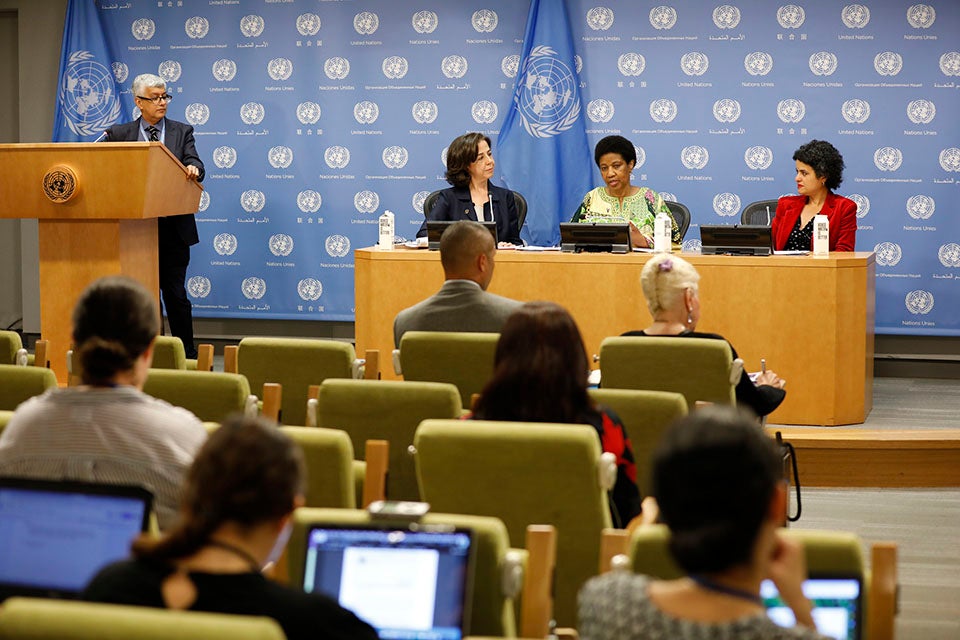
(315, 116)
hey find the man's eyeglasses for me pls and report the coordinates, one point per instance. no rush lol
(164, 98)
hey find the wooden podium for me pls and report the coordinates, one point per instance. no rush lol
(97, 206)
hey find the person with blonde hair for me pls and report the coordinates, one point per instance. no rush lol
(670, 286)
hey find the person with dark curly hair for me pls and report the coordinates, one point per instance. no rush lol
(470, 166)
(819, 172)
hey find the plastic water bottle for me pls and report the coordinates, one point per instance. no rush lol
(821, 235)
(662, 228)
(386, 232)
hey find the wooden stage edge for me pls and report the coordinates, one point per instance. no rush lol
(884, 458)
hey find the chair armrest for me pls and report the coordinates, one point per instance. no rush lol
(230, 358)
(205, 357)
(882, 606)
(613, 543)
(40, 354)
(536, 609)
(272, 397)
(396, 362)
(371, 369)
(377, 454)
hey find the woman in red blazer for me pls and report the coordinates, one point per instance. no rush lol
(819, 172)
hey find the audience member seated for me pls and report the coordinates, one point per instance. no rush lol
(717, 478)
(670, 286)
(235, 520)
(467, 252)
(107, 430)
(540, 375)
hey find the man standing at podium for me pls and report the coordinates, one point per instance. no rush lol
(176, 234)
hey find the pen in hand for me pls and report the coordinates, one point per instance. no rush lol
(763, 365)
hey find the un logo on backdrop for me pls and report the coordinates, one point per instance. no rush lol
(308, 112)
(280, 157)
(337, 246)
(791, 16)
(253, 288)
(252, 200)
(484, 20)
(280, 68)
(950, 63)
(921, 207)
(204, 200)
(758, 158)
(198, 287)
(280, 244)
(726, 16)
(855, 16)
(758, 63)
(663, 110)
(693, 245)
(366, 23)
(921, 16)
(366, 112)
(309, 201)
(855, 111)
(483, 112)
(143, 28)
(641, 157)
(425, 21)
(921, 111)
(510, 65)
(600, 110)
(888, 254)
(919, 302)
(666, 195)
(950, 159)
(395, 67)
(224, 157)
(631, 64)
(949, 254)
(726, 204)
(663, 17)
(366, 201)
(726, 110)
(196, 113)
(694, 157)
(694, 63)
(252, 113)
(120, 71)
(309, 289)
(418, 200)
(308, 24)
(454, 66)
(443, 156)
(888, 63)
(791, 110)
(548, 101)
(823, 63)
(251, 26)
(336, 68)
(169, 70)
(395, 157)
(336, 157)
(425, 111)
(87, 95)
(225, 244)
(224, 70)
(600, 18)
(888, 158)
(197, 27)
(862, 202)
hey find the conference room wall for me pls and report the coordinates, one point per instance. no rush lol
(39, 26)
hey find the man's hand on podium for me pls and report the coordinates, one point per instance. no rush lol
(192, 172)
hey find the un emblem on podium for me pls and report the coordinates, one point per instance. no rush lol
(59, 183)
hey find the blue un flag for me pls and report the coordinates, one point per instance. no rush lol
(543, 150)
(88, 100)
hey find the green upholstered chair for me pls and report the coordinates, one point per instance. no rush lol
(168, 353)
(524, 473)
(4, 419)
(386, 410)
(496, 577)
(699, 368)
(20, 383)
(645, 415)
(11, 349)
(295, 363)
(461, 359)
(209, 396)
(40, 619)
(328, 454)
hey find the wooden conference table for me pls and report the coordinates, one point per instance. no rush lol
(812, 318)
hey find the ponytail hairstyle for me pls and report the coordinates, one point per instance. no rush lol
(115, 321)
(248, 472)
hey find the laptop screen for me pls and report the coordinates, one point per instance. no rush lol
(836, 603)
(57, 535)
(737, 239)
(435, 229)
(408, 584)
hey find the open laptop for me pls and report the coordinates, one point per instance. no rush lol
(408, 581)
(56, 535)
(736, 239)
(611, 237)
(435, 229)
(837, 605)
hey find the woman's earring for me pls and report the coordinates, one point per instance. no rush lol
(689, 318)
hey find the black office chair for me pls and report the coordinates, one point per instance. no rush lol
(431, 200)
(760, 212)
(681, 214)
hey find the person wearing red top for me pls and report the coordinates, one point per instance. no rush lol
(819, 172)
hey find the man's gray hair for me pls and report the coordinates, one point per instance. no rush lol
(145, 81)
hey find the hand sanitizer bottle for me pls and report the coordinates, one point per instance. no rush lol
(386, 232)
(821, 235)
(662, 228)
